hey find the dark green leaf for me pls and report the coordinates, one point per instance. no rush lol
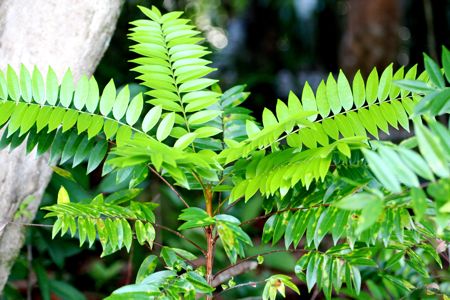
(147, 267)
(434, 71)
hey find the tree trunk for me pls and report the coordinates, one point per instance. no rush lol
(371, 37)
(63, 34)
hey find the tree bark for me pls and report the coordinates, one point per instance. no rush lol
(63, 34)
(371, 37)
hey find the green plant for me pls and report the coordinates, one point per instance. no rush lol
(350, 204)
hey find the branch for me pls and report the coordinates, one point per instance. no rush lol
(255, 256)
(154, 224)
(28, 224)
(233, 271)
(232, 204)
(250, 283)
(181, 236)
(169, 185)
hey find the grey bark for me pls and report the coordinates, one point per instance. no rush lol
(63, 34)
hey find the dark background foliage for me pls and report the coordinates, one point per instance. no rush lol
(273, 46)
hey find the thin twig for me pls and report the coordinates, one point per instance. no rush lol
(256, 255)
(169, 185)
(219, 200)
(30, 224)
(232, 204)
(199, 180)
(315, 293)
(154, 224)
(235, 271)
(250, 283)
(129, 266)
(280, 212)
(181, 236)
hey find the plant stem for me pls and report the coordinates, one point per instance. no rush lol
(209, 254)
(209, 239)
(169, 185)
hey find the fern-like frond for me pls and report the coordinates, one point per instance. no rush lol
(177, 163)
(436, 93)
(282, 170)
(234, 116)
(231, 123)
(167, 284)
(396, 165)
(173, 67)
(65, 114)
(337, 110)
(66, 118)
(105, 219)
(360, 225)
(335, 267)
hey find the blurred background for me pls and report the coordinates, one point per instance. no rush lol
(272, 46)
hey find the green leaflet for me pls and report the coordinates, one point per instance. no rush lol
(134, 110)
(322, 100)
(31, 115)
(12, 84)
(370, 214)
(446, 62)
(202, 117)
(434, 72)
(418, 202)
(52, 88)
(372, 87)
(16, 119)
(332, 94)
(309, 101)
(93, 96)
(97, 155)
(67, 89)
(3, 87)
(81, 92)
(359, 92)
(382, 171)
(432, 151)
(384, 86)
(25, 84)
(344, 91)
(165, 127)
(107, 98)
(151, 118)
(147, 267)
(401, 171)
(185, 140)
(195, 217)
(121, 103)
